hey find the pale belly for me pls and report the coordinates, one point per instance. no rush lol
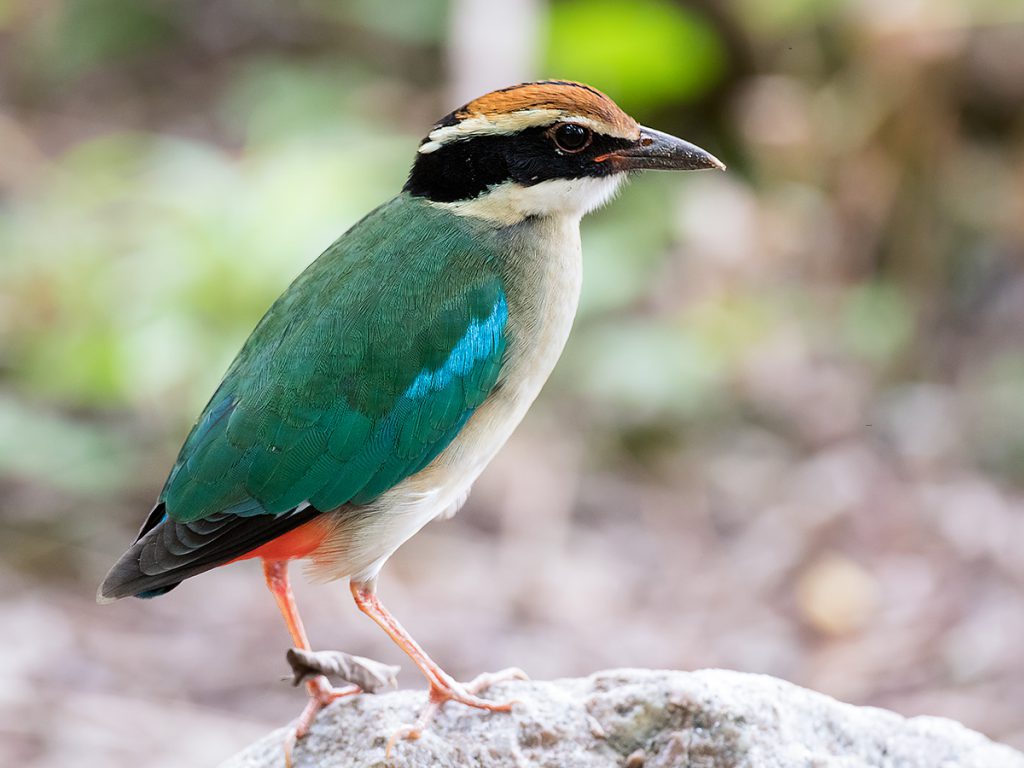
(540, 317)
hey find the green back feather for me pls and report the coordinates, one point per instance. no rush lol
(359, 375)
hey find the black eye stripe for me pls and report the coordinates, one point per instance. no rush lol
(464, 169)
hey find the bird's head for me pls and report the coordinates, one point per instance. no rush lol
(550, 148)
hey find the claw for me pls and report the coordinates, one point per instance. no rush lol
(484, 681)
(464, 694)
(289, 745)
(320, 695)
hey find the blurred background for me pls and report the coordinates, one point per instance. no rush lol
(787, 435)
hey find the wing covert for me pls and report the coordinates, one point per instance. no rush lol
(357, 377)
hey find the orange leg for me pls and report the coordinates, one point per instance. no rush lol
(442, 687)
(320, 691)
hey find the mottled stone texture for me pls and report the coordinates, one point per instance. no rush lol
(634, 718)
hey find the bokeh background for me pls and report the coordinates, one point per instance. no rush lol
(787, 435)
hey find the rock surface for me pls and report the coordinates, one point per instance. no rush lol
(636, 719)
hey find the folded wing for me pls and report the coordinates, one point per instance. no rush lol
(357, 377)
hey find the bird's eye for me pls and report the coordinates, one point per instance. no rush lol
(570, 137)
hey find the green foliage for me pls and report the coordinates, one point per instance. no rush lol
(877, 321)
(625, 247)
(272, 98)
(7, 8)
(142, 263)
(643, 53)
(420, 21)
(96, 32)
(645, 371)
(787, 15)
(70, 455)
(997, 415)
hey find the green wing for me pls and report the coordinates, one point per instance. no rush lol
(359, 375)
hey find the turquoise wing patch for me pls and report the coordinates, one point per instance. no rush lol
(360, 374)
(267, 445)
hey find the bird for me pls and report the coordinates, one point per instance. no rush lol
(380, 384)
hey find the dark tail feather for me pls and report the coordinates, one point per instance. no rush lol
(112, 587)
(167, 551)
(157, 592)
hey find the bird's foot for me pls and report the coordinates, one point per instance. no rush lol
(466, 693)
(321, 693)
(445, 689)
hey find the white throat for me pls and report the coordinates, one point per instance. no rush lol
(510, 203)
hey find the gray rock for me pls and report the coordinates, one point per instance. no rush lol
(633, 718)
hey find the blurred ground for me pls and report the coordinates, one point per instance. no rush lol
(787, 435)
